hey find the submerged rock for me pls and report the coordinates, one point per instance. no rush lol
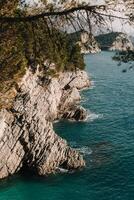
(27, 138)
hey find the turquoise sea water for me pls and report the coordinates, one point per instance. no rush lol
(106, 139)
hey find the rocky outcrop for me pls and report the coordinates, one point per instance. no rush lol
(27, 138)
(122, 43)
(86, 42)
(115, 41)
(75, 113)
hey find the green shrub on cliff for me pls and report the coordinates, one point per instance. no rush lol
(21, 41)
(26, 43)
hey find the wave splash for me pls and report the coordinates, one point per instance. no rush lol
(85, 150)
(93, 116)
(92, 85)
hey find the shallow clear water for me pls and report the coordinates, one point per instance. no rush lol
(106, 139)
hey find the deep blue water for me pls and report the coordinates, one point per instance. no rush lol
(106, 139)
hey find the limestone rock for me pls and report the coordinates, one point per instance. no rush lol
(75, 113)
(27, 137)
(86, 41)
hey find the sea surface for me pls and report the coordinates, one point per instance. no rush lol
(106, 139)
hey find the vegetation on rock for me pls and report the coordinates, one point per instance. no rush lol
(30, 36)
(114, 40)
(25, 44)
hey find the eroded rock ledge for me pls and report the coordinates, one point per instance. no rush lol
(27, 137)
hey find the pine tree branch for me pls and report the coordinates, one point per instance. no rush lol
(57, 13)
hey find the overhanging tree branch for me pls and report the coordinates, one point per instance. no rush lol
(112, 16)
(58, 13)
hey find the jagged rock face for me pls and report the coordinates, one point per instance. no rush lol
(27, 137)
(11, 150)
(86, 41)
(88, 44)
(75, 113)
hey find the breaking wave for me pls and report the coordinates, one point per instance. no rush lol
(93, 116)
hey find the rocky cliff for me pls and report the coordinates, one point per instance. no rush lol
(86, 42)
(115, 41)
(27, 138)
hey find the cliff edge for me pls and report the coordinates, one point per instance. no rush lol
(27, 138)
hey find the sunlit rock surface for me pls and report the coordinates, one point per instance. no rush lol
(27, 138)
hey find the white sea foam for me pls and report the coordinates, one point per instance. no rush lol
(85, 150)
(93, 116)
(62, 170)
(92, 85)
(84, 99)
(56, 121)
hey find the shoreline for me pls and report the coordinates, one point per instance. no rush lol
(33, 143)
